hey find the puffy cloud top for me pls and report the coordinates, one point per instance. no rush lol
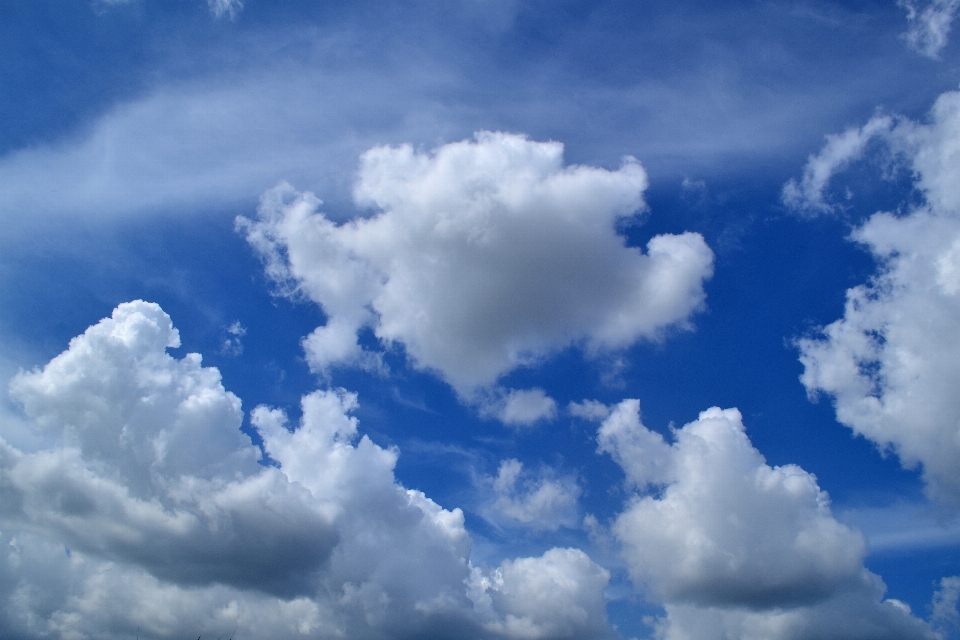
(481, 256)
(123, 401)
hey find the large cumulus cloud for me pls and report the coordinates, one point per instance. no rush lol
(145, 507)
(891, 364)
(480, 257)
(734, 548)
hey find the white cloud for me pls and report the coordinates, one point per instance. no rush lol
(213, 143)
(480, 257)
(558, 595)
(735, 548)
(232, 343)
(945, 612)
(218, 8)
(643, 454)
(225, 8)
(930, 25)
(592, 410)
(518, 407)
(807, 196)
(294, 103)
(147, 510)
(892, 363)
(541, 501)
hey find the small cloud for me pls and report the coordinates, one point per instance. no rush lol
(519, 407)
(807, 196)
(225, 8)
(541, 501)
(930, 25)
(229, 9)
(232, 345)
(592, 410)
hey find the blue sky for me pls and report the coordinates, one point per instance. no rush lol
(514, 319)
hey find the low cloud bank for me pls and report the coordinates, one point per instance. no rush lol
(147, 509)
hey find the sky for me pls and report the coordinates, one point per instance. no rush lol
(493, 319)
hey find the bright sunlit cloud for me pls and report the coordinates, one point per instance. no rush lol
(481, 257)
(324, 543)
(892, 364)
(734, 547)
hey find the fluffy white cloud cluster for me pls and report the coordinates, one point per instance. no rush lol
(480, 257)
(892, 363)
(735, 548)
(541, 501)
(929, 25)
(146, 509)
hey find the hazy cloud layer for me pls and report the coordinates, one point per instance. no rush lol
(146, 508)
(480, 257)
(735, 548)
(892, 363)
